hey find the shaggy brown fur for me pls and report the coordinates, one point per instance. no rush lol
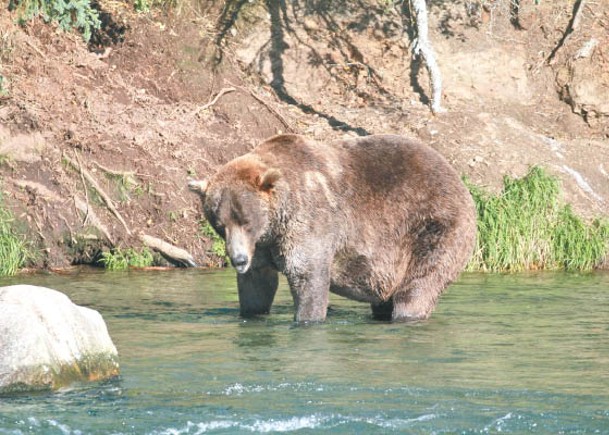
(378, 219)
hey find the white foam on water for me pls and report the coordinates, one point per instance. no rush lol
(295, 423)
(213, 425)
(259, 426)
(497, 425)
(397, 423)
(64, 428)
(288, 425)
(199, 428)
(401, 423)
(236, 389)
(239, 389)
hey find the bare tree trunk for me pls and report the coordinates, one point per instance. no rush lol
(423, 47)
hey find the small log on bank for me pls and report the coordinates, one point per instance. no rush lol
(173, 254)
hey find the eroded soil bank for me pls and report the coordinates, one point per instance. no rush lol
(131, 110)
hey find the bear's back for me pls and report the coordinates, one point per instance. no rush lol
(371, 173)
(390, 168)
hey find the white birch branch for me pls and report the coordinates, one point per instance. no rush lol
(423, 47)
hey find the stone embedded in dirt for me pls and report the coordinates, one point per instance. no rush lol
(585, 86)
(47, 342)
(22, 147)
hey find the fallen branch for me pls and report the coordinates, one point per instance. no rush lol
(173, 254)
(214, 101)
(573, 25)
(107, 200)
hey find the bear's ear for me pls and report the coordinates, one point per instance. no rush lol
(198, 186)
(267, 180)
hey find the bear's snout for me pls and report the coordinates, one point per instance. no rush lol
(240, 262)
(239, 248)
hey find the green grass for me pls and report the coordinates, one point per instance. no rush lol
(3, 87)
(526, 227)
(14, 250)
(218, 247)
(6, 58)
(145, 6)
(119, 259)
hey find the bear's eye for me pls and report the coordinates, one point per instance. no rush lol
(239, 218)
(217, 226)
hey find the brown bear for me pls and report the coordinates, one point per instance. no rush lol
(379, 219)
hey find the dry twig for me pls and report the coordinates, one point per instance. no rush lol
(214, 100)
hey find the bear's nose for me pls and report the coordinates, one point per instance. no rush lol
(239, 261)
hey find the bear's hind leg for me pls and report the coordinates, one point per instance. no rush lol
(257, 288)
(417, 298)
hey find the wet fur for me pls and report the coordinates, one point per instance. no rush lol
(379, 219)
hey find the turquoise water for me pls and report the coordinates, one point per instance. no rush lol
(502, 353)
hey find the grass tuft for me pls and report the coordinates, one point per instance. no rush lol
(526, 227)
(119, 259)
(218, 247)
(14, 250)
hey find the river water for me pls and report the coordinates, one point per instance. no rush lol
(502, 353)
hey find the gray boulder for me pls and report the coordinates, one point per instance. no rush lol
(47, 342)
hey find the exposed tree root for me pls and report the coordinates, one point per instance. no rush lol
(107, 200)
(92, 219)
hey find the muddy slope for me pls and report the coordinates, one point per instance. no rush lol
(131, 111)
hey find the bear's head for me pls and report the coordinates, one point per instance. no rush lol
(236, 203)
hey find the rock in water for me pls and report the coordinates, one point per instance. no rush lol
(46, 341)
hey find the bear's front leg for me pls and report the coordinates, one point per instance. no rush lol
(310, 291)
(257, 288)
